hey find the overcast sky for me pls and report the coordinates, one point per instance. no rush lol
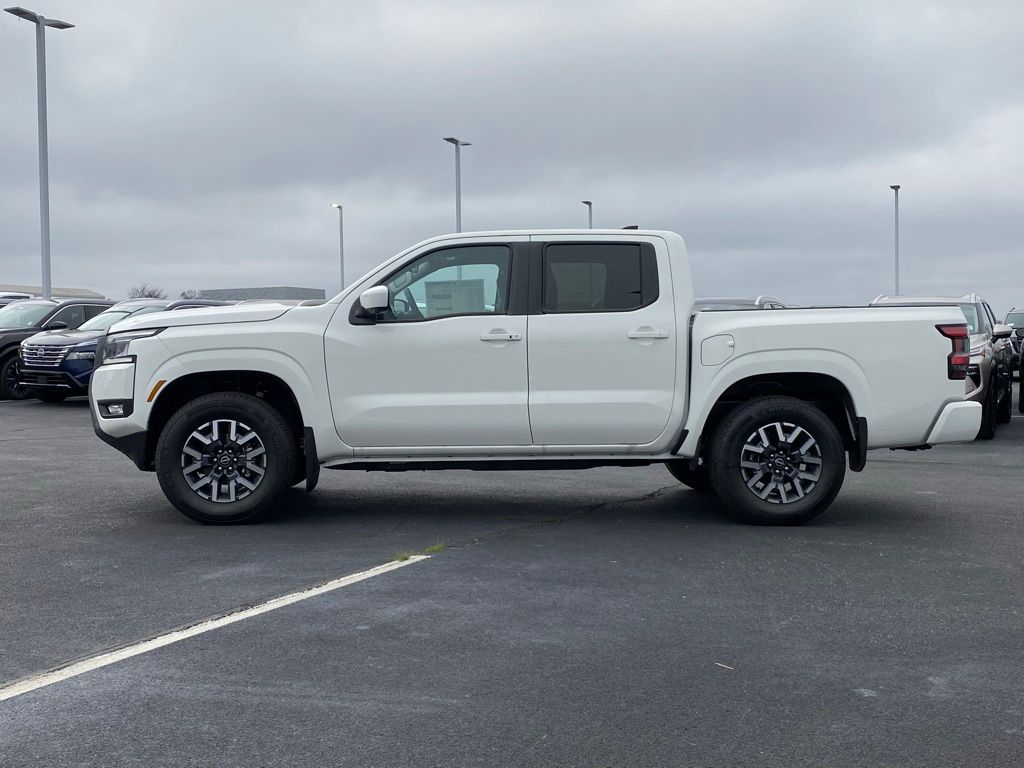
(200, 144)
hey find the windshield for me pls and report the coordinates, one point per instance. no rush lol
(1015, 319)
(24, 314)
(103, 320)
(971, 313)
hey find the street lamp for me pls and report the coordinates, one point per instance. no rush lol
(458, 144)
(341, 241)
(42, 23)
(590, 213)
(896, 200)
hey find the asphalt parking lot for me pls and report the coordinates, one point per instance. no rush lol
(600, 618)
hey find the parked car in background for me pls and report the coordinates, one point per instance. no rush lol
(58, 364)
(27, 317)
(758, 302)
(1015, 319)
(990, 372)
(9, 297)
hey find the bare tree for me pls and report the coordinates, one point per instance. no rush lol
(146, 291)
(191, 294)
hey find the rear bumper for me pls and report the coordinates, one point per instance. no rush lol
(958, 422)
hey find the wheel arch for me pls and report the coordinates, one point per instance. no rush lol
(824, 390)
(267, 386)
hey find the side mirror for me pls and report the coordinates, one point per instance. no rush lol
(1000, 331)
(1020, 333)
(56, 325)
(374, 300)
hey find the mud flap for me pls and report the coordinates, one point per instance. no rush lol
(312, 463)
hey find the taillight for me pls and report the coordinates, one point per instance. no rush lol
(956, 363)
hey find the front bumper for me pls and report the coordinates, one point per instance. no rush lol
(957, 423)
(116, 383)
(52, 379)
(132, 445)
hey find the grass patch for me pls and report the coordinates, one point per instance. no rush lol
(434, 549)
(402, 556)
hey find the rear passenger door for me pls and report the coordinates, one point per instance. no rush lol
(601, 342)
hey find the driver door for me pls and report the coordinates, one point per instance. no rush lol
(446, 364)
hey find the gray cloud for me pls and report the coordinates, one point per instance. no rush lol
(200, 144)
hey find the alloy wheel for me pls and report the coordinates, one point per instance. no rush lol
(11, 376)
(780, 462)
(224, 460)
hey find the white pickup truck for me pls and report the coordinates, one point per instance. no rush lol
(528, 351)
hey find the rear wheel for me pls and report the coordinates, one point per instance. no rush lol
(777, 461)
(226, 457)
(9, 374)
(696, 479)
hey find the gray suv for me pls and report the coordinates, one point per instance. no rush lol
(990, 373)
(1015, 319)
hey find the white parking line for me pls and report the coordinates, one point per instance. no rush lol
(25, 685)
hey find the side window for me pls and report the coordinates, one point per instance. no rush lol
(468, 280)
(987, 319)
(598, 277)
(91, 310)
(74, 316)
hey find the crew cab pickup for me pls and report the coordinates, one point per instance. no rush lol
(528, 351)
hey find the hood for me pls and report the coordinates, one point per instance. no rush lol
(63, 338)
(30, 329)
(8, 335)
(236, 313)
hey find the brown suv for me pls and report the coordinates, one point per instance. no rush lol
(990, 373)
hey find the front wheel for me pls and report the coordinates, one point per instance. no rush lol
(226, 457)
(987, 430)
(1004, 411)
(777, 461)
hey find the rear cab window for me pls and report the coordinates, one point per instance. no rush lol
(598, 277)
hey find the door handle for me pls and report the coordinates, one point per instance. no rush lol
(647, 333)
(499, 335)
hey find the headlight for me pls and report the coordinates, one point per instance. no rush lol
(114, 348)
(81, 354)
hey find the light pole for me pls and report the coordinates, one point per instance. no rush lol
(896, 201)
(341, 241)
(42, 23)
(458, 144)
(590, 213)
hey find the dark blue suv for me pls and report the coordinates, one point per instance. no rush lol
(58, 364)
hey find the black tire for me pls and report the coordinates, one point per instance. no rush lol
(279, 458)
(695, 479)
(1020, 391)
(51, 397)
(749, 424)
(9, 387)
(1004, 411)
(987, 430)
